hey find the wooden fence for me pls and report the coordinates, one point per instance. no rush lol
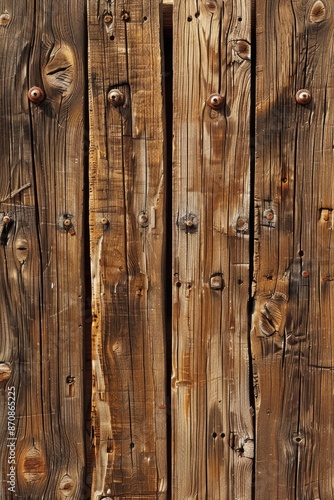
(166, 214)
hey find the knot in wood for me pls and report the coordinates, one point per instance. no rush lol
(108, 18)
(215, 101)
(303, 96)
(243, 49)
(116, 97)
(4, 19)
(5, 371)
(36, 95)
(318, 12)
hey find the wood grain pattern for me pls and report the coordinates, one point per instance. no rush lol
(127, 240)
(212, 422)
(292, 334)
(41, 261)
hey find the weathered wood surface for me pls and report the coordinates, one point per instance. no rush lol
(212, 421)
(41, 261)
(292, 338)
(127, 239)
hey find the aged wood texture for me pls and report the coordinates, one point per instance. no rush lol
(127, 238)
(292, 329)
(41, 259)
(212, 420)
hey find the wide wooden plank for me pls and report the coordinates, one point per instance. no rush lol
(41, 259)
(212, 420)
(127, 242)
(292, 326)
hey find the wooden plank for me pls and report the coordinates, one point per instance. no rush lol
(212, 421)
(127, 240)
(292, 325)
(41, 260)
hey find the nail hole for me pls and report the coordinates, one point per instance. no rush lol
(239, 19)
(178, 284)
(240, 281)
(189, 19)
(214, 435)
(284, 180)
(197, 15)
(132, 445)
(112, 37)
(144, 18)
(222, 435)
(301, 253)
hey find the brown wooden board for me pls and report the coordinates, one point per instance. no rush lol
(41, 260)
(212, 419)
(292, 325)
(127, 228)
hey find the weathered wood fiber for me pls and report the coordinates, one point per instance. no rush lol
(292, 325)
(212, 420)
(127, 239)
(41, 260)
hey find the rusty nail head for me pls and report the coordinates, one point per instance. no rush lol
(270, 215)
(36, 95)
(303, 96)
(116, 97)
(215, 101)
(216, 282)
(143, 219)
(305, 274)
(126, 16)
(67, 222)
(240, 222)
(189, 223)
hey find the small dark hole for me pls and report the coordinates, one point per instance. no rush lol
(112, 37)
(301, 253)
(214, 435)
(239, 19)
(178, 284)
(144, 18)
(132, 445)
(197, 15)
(298, 439)
(189, 19)
(240, 281)
(188, 286)
(284, 180)
(222, 435)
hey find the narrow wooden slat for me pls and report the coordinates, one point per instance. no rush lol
(292, 326)
(41, 261)
(127, 239)
(212, 421)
